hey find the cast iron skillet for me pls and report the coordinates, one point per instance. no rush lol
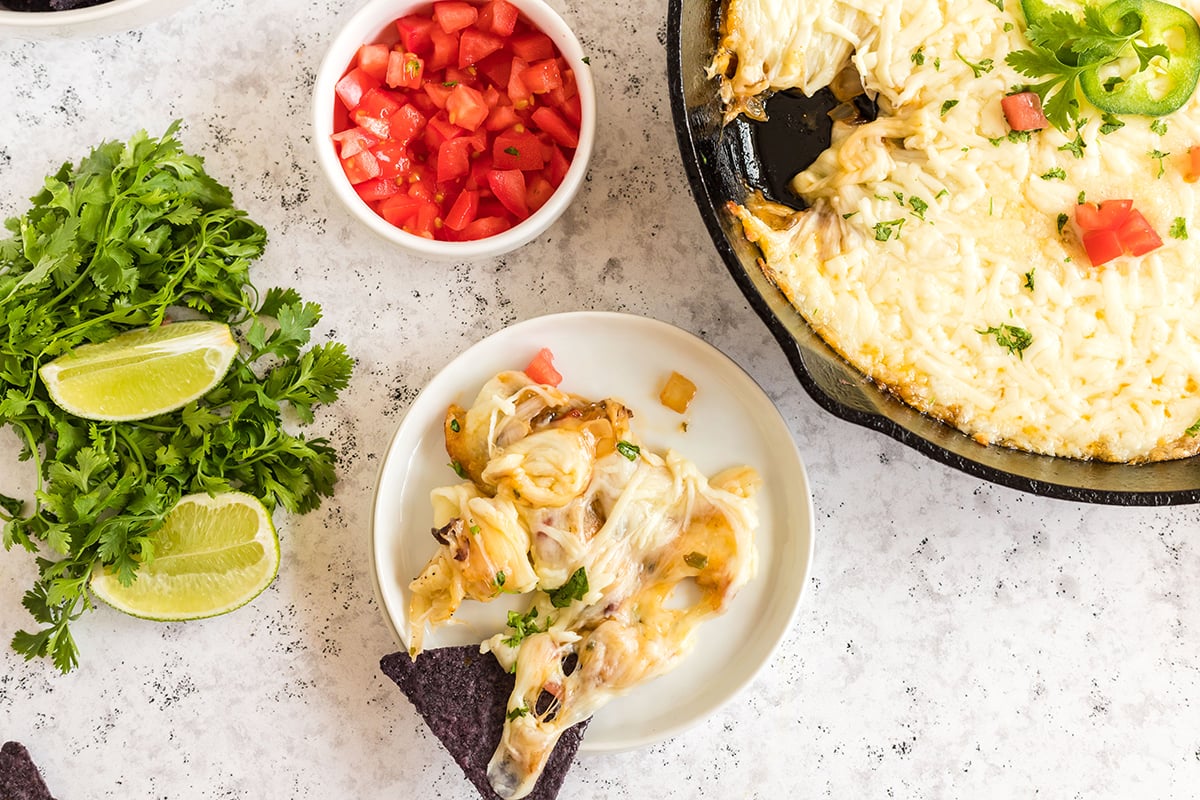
(728, 162)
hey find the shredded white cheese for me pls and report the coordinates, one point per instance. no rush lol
(971, 217)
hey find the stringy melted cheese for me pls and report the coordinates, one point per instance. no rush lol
(1113, 371)
(558, 484)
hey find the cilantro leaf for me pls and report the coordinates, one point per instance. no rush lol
(574, 589)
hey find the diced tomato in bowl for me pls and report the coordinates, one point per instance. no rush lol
(457, 128)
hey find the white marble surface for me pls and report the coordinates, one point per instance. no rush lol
(958, 639)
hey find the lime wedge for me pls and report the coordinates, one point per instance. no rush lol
(213, 554)
(141, 373)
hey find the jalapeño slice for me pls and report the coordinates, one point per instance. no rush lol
(1128, 85)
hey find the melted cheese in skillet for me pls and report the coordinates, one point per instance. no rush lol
(1113, 371)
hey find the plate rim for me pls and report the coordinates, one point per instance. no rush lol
(806, 528)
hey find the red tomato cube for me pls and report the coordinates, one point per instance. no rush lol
(463, 211)
(1102, 246)
(376, 189)
(360, 167)
(548, 120)
(483, 227)
(508, 185)
(1137, 236)
(415, 33)
(454, 15)
(353, 86)
(532, 46)
(500, 17)
(542, 76)
(1023, 111)
(476, 45)
(353, 140)
(453, 159)
(404, 70)
(466, 107)
(445, 49)
(373, 59)
(517, 150)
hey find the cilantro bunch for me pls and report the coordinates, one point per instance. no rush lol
(134, 235)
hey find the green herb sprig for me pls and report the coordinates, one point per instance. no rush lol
(1065, 48)
(128, 238)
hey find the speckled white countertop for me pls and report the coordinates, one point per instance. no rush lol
(958, 639)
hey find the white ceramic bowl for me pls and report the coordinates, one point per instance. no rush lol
(368, 24)
(110, 17)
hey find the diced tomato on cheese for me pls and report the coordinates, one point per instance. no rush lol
(1114, 228)
(1023, 111)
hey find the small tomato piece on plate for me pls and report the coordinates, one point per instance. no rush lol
(541, 368)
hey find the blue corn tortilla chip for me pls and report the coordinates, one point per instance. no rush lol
(19, 776)
(462, 695)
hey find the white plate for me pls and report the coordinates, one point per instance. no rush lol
(731, 421)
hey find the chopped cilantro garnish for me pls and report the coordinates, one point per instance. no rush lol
(1159, 155)
(885, 230)
(523, 625)
(1010, 337)
(979, 68)
(946, 106)
(574, 589)
(628, 449)
(1058, 173)
(1110, 124)
(1179, 228)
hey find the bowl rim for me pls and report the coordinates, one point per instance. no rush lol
(709, 202)
(367, 22)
